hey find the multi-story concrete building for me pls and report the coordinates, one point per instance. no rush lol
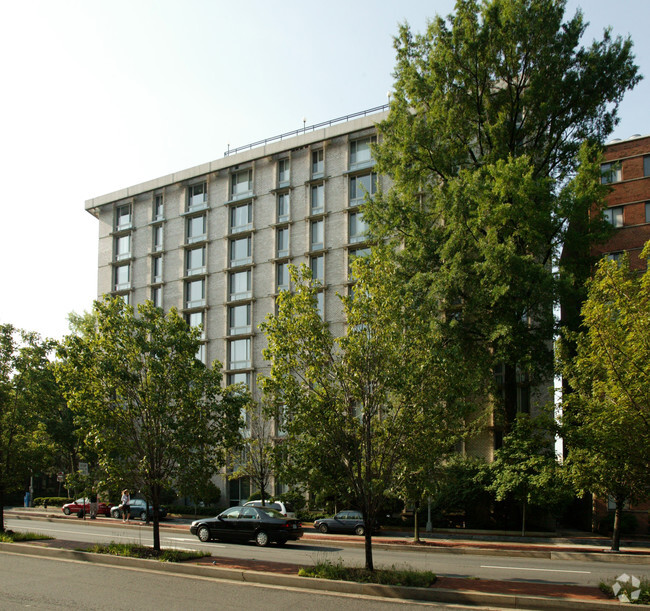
(627, 169)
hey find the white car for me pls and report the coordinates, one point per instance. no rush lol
(285, 509)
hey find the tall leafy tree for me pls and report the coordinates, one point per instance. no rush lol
(354, 404)
(483, 145)
(24, 384)
(607, 416)
(150, 409)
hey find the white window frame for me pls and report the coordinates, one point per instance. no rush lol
(317, 199)
(358, 189)
(190, 268)
(614, 216)
(317, 163)
(120, 282)
(156, 296)
(282, 277)
(282, 241)
(234, 295)
(236, 212)
(157, 238)
(357, 228)
(197, 196)
(234, 246)
(158, 212)
(195, 297)
(234, 315)
(361, 153)
(241, 184)
(317, 235)
(193, 239)
(316, 264)
(156, 269)
(123, 220)
(239, 353)
(283, 207)
(190, 319)
(284, 172)
(123, 252)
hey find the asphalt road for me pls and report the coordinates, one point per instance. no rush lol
(39, 583)
(484, 566)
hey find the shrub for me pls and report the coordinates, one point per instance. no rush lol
(195, 510)
(51, 501)
(390, 577)
(628, 523)
(9, 536)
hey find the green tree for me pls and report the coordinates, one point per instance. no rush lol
(149, 408)
(607, 414)
(483, 146)
(525, 468)
(257, 458)
(24, 384)
(354, 404)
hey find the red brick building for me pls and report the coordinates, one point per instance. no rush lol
(627, 169)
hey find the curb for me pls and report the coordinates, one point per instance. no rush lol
(508, 601)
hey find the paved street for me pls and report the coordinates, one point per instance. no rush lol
(485, 566)
(37, 583)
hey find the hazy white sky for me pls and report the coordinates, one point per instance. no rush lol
(100, 95)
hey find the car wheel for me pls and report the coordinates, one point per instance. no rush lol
(262, 538)
(115, 513)
(360, 530)
(143, 516)
(66, 511)
(323, 528)
(203, 533)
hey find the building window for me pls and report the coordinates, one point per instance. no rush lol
(122, 277)
(196, 320)
(356, 254)
(358, 228)
(241, 184)
(243, 377)
(123, 247)
(195, 261)
(239, 319)
(614, 216)
(317, 235)
(123, 217)
(200, 354)
(282, 276)
(156, 269)
(158, 208)
(156, 296)
(317, 163)
(195, 293)
(282, 242)
(647, 212)
(360, 153)
(317, 199)
(239, 354)
(615, 256)
(241, 218)
(197, 196)
(283, 173)
(283, 207)
(157, 238)
(360, 185)
(610, 172)
(320, 304)
(240, 251)
(646, 165)
(317, 265)
(196, 229)
(240, 285)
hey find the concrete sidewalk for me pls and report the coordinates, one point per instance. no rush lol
(493, 593)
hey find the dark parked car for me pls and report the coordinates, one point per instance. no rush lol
(83, 505)
(348, 521)
(138, 510)
(259, 524)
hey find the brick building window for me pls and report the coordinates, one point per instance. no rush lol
(611, 172)
(614, 216)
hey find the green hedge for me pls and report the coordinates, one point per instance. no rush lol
(195, 510)
(51, 501)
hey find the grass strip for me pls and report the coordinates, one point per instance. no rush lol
(9, 536)
(132, 550)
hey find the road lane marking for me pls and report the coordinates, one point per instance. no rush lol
(523, 568)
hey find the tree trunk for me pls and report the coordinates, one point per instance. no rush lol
(2, 510)
(509, 395)
(523, 518)
(368, 546)
(616, 534)
(416, 523)
(155, 501)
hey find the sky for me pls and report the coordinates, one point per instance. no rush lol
(100, 95)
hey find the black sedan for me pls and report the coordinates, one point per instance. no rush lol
(349, 521)
(259, 524)
(138, 510)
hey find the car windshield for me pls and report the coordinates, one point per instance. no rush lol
(272, 512)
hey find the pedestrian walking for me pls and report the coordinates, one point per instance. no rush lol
(125, 505)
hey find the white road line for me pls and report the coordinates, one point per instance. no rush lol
(522, 568)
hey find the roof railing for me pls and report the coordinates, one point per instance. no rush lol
(305, 129)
